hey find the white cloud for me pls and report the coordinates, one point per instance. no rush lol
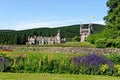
(50, 24)
(99, 22)
(33, 25)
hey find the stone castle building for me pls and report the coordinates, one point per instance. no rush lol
(45, 40)
(85, 32)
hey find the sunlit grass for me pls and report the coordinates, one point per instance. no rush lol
(70, 44)
(36, 76)
(78, 44)
(67, 44)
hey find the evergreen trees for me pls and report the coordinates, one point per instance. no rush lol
(20, 37)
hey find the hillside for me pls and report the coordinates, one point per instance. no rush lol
(6, 30)
(66, 31)
(20, 37)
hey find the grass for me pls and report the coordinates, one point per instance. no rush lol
(67, 44)
(45, 76)
(42, 54)
(78, 44)
(72, 44)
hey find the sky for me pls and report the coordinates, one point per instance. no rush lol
(28, 14)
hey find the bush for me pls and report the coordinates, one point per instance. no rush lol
(92, 60)
(92, 63)
(108, 38)
(103, 68)
(101, 43)
(115, 58)
(5, 62)
(110, 43)
(92, 38)
(117, 68)
(116, 43)
(76, 39)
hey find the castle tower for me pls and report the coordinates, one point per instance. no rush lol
(81, 29)
(90, 28)
(28, 38)
(85, 32)
(58, 37)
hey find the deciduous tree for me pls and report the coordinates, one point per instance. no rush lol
(113, 17)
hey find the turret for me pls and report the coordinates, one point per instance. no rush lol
(58, 37)
(81, 29)
(28, 38)
(90, 28)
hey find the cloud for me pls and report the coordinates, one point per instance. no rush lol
(99, 22)
(33, 25)
(50, 24)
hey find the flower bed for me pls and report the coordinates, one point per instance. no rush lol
(60, 63)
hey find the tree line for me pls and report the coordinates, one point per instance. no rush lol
(20, 37)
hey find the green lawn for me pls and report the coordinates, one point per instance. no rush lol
(35, 76)
(67, 44)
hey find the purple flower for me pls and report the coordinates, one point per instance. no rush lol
(92, 60)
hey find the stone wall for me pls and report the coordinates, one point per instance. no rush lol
(69, 50)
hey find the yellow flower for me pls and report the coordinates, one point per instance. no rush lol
(103, 68)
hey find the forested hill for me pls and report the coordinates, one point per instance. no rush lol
(6, 30)
(20, 37)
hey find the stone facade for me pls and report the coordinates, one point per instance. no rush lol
(85, 32)
(46, 40)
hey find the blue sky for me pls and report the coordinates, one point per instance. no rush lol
(27, 14)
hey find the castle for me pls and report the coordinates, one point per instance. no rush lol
(46, 40)
(85, 32)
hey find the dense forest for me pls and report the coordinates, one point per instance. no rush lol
(20, 37)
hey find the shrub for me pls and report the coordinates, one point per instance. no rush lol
(115, 58)
(76, 39)
(116, 43)
(108, 38)
(92, 63)
(117, 68)
(101, 43)
(92, 38)
(19, 63)
(5, 62)
(92, 60)
(110, 43)
(103, 68)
